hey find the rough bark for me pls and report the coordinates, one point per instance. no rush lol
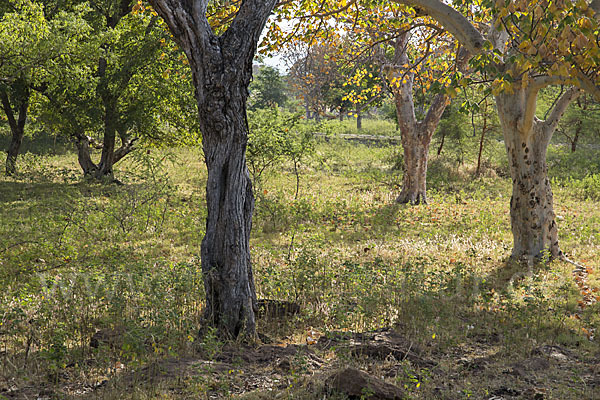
(107, 159)
(416, 135)
(415, 144)
(17, 128)
(526, 138)
(222, 68)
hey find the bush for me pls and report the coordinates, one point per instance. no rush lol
(275, 137)
(587, 188)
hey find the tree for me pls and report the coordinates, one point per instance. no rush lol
(417, 134)
(267, 89)
(531, 45)
(34, 47)
(128, 44)
(221, 62)
(581, 119)
(15, 97)
(134, 86)
(392, 46)
(312, 74)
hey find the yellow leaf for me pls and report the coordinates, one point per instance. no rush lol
(526, 44)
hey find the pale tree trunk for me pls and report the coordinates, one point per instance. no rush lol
(415, 144)
(84, 157)
(416, 135)
(222, 68)
(17, 128)
(527, 138)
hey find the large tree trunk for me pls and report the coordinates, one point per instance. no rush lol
(226, 266)
(222, 68)
(532, 215)
(17, 129)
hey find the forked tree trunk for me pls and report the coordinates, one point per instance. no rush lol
(84, 157)
(416, 135)
(17, 129)
(222, 68)
(532, 215)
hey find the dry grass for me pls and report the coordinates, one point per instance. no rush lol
(126, 257)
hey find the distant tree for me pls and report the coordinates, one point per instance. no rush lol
(36, 50)
(581, 121)
(311, 76)
(267, 89)
(137, 86)
(327, 80)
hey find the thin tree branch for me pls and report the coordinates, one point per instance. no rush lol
(559, 109)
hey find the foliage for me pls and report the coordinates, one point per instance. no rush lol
(580, 122)
(42, 49)
(553, 39)
(275, 137)
(267, 89)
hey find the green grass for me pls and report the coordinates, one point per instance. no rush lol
(383, 127)
(77, 257)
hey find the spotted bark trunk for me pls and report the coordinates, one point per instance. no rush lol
(533, 220)
(222, 69)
